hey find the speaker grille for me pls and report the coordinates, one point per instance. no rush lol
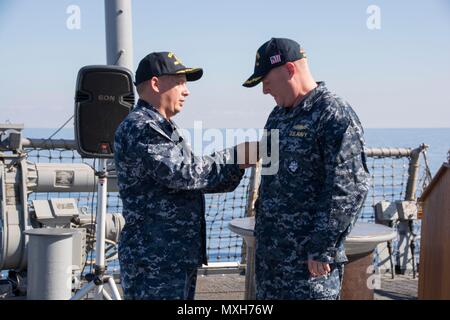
(103, 98)
(81, 96)
(129, 98)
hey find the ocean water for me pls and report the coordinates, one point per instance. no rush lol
(438, 140)
(222, 208)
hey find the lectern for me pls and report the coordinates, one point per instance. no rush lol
(434, 272)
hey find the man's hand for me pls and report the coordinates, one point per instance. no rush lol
(317, 268)
(247, 154)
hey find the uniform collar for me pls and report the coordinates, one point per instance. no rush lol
(307, 102)
(151, 111)
(168, 128)
(311, 97)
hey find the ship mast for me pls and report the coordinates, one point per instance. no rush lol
(119, 37)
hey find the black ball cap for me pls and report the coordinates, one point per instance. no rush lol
(158, 64)
(273, 53)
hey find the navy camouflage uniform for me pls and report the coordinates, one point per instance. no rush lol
(162, 190)
(310, 205)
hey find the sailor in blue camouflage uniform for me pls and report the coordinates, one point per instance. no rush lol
(306, 210)
(162, 186)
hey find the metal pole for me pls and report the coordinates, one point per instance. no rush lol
(119, 37)
(254, 182)
(387, 152)
(67, 144)
(413, 171)
(404, 228)
(101, 224)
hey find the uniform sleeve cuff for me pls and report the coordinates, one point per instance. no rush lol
(326, 257)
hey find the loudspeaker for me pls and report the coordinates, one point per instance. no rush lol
(104, 96)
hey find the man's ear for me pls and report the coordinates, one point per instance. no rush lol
(154, 84)
(290, 67)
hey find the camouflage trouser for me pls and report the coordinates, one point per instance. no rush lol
(278, 283)
(155, 283)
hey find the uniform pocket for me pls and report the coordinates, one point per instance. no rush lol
(325, 287)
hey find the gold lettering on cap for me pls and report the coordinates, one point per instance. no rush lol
(302, 51)
(252, 80)
(171, 55)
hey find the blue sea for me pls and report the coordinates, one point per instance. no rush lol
(224, 246)
(438, 140)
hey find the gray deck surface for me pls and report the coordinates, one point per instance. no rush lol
(232, 286)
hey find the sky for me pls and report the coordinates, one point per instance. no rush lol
(392, 67)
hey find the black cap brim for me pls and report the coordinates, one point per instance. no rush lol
(253, 81)
(192, 74)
